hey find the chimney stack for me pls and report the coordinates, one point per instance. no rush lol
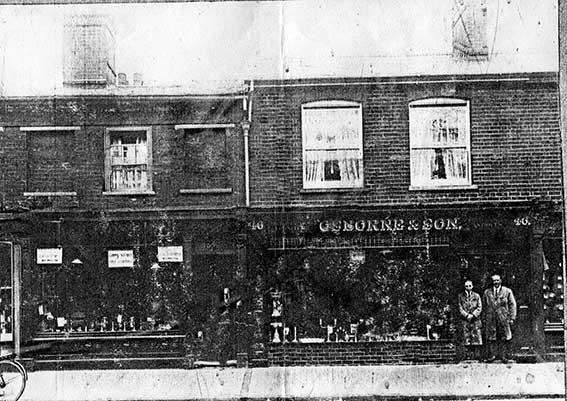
(89, 51)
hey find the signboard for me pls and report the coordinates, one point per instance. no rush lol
(170, 254)
(123, 258)
(49, 256)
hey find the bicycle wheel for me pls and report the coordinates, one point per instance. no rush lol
(12, 380)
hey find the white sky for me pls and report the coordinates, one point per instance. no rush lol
(216, 42)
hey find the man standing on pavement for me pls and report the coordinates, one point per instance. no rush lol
(499, 307)
(470, 308)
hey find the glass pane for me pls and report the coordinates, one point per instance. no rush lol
(439, 166)
(434, 126)
(129, 178)
(128, 154)
(336, 128)
(128, 160)
(327, 169)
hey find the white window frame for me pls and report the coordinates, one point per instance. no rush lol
(418, 111)
(355, 146)
(148, 190)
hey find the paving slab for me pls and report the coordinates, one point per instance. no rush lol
(459, 381)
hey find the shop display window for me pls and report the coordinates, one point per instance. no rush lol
(332, 145)
(369, 295)
(439, 143)
(87, 296)
(552, 282)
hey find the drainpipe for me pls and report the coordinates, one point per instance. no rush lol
(563, 125)
(246, 128)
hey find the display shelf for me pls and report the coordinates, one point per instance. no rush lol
(106, 335)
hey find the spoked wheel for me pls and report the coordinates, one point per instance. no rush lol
(12, 380)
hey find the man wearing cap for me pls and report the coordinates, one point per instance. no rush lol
(499, 307)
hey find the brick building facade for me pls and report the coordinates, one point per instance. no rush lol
(335, 249)
(301, 221)
(321, 256)
(120, 225)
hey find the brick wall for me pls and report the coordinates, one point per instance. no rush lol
(515, 141)
(93, 115)
(362, 353)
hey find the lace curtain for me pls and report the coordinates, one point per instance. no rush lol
(439, 145)
(439, 164)
(332, 141)
(129, 159)
(339, 165)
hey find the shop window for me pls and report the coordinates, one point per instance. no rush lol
(128, 160)
(86, 294)
(50, 160)
(366, 295)
(204, 157)
(332, 145)
(439, 143)
(552, 283)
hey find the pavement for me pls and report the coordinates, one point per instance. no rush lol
(476, 381)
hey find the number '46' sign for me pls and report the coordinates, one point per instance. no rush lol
(522, 221)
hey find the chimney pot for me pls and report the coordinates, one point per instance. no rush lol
(137, 79)
(122, 78)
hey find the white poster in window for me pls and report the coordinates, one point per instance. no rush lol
(170, 254)
(124, 258)
(49, 256)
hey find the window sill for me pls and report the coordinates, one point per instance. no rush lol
(326, 190)
(201, 191)
(444, 188)
(126, 193)
(72, 193)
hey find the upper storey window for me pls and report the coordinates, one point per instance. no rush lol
(332, 145)
(51, 160)
(440, 143)
(205, 158)
(128, 160)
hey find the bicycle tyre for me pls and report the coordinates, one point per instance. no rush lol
(14, 377)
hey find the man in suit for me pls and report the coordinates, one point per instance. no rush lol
(470, 308)
(499, 307)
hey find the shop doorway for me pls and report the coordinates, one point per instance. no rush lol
(6, 292)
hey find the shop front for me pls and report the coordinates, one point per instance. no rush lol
(366, 286)
(134, 291)
(14, 234)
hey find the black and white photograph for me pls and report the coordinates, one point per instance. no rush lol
(304, 200)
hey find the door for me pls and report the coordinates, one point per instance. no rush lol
(6, 292)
